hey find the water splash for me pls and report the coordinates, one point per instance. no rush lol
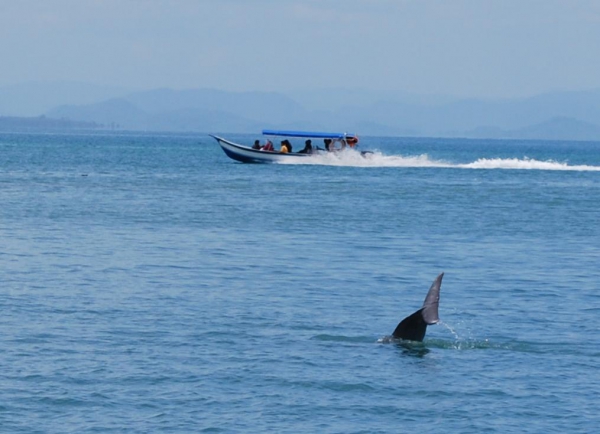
(464, 344)
(459, 342)
(352, 158)
(456, 337)
(456, 343)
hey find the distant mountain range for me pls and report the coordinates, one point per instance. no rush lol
(558, 115)
(558, 128)
(42, 123)
(36, 98)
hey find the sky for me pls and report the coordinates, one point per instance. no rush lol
(465, 48)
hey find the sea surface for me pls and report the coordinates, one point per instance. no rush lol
(148, 284)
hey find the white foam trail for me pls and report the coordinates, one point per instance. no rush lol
(351, 158)
(525, 164)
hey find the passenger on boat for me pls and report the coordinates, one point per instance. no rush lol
(284, 148)
(256, 144)
(328, 146)
(268, 146)
(308, 149)
(288, 144)
(352, 141)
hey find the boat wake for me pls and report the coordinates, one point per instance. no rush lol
(526, 164)
(377, 159)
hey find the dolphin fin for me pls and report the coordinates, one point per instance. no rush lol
(413, 327)
(432, 301)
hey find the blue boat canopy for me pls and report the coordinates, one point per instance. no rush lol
(314, 135)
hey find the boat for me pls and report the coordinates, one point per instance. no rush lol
(247, 154)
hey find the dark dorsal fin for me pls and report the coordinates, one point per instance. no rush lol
(432, 301)
(413, 327)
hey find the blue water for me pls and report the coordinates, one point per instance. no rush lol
(150, 284)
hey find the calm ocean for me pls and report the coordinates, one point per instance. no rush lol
(148, 283)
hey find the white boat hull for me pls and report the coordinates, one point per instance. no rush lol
(249, 155)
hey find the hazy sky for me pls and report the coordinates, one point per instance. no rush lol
(479, 48)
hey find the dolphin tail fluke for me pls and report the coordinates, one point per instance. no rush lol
(432, 301)
(413, 327)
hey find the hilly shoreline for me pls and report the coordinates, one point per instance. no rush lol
(552, 116)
